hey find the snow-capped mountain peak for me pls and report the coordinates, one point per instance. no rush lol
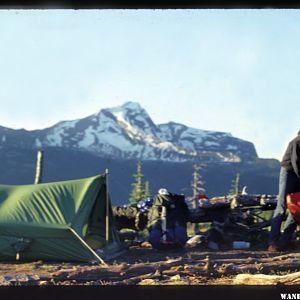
(132, 115)
(128, 132)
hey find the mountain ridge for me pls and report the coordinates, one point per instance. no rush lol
(128, 132)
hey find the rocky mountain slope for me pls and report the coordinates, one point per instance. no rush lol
(128, 132)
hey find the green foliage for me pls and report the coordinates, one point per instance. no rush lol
(203, 228)
(140, 189)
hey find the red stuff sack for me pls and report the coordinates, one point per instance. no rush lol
(293, 205)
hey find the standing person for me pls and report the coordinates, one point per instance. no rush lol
(289, 182)
(167, 220)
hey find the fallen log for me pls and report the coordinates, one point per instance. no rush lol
(262, 279)
(231, 269)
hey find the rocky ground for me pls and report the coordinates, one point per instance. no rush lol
(146, 266)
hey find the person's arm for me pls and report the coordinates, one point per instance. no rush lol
(295, 159)
(154, 213)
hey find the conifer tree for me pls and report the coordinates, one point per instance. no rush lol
(198, 188)
(147, 190)
(235, 185)
(197, 182)
(138, 190)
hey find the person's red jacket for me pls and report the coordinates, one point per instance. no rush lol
(293, 205)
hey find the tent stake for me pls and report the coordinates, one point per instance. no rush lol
(107, 209)
(38, 172)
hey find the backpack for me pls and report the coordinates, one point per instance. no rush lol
(169, 208)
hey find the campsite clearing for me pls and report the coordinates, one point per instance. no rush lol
(145, 266)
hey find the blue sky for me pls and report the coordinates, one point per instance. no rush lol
(226, 70)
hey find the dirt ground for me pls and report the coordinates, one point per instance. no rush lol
(146, 266)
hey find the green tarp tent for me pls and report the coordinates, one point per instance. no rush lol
(60, 221)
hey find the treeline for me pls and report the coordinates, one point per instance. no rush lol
(141, 186)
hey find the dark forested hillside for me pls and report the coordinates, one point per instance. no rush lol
(18, 167)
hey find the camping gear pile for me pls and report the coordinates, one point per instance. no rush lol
(243, 210)
(235, 216)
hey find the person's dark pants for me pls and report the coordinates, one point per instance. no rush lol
(178, 233)
(288, 183)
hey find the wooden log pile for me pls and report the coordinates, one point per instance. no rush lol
(240, 207)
